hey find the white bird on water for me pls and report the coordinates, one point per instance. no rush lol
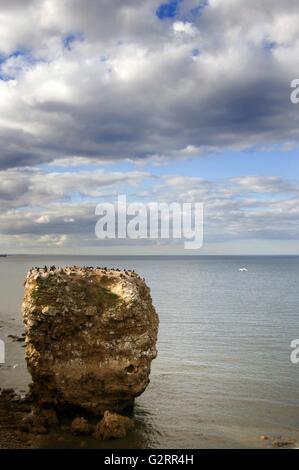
(243, 270)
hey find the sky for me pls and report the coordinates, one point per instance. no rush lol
(181, 100)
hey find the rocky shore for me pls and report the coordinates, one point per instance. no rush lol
(24, 425)
(12, 412)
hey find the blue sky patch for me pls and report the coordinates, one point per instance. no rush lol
(196, 12)
(270, 45)
(168, 10)
(14, 54)
(4, 77)
(171, 10)
(69, 39)
(28, 60)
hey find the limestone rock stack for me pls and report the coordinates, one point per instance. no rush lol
(90, 336)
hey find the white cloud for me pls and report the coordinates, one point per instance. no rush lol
(43, 219)
(110, 81)
(21, 188)
(184, 27)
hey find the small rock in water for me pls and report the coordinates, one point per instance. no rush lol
(8, 392)
(40, 430)
(113, 426)
(39, 421)
(283, 443)
(49, 417)
(16, 338)
(80, 427)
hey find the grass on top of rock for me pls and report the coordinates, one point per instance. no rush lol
(96, 295)
(49, 293)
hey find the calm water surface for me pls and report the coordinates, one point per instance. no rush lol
(223, 376)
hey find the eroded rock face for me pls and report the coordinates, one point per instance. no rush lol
(90, 336)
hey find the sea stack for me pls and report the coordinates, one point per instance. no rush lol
(90, 337)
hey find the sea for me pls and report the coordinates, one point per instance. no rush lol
(223, 377)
